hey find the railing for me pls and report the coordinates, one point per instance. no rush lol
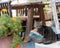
(5, 7)
(23, 12)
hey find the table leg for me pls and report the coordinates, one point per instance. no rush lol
(29, 21)
(41, 14)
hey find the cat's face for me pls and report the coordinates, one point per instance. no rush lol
(38, 24)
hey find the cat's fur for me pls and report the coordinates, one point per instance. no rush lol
(48, 33)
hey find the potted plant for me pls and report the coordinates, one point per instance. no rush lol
(10, 27)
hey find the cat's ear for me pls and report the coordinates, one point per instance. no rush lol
(40, 23)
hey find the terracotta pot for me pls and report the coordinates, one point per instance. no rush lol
(5, 42)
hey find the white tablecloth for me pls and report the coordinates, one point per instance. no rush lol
(53, 45)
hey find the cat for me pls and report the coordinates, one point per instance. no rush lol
(48, 33)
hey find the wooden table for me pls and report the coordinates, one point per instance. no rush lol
(31, 7)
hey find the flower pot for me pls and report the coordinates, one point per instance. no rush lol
(5, 42)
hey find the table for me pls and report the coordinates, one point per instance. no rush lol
(52, 45)
(30, 13)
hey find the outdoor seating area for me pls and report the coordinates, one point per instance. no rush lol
(34, 23)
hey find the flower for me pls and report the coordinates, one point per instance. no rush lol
(25, 41)
(4, 10)
(18, 46)
(14, 18)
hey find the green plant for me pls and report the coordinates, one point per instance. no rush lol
(10, 26)
(16, 41)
